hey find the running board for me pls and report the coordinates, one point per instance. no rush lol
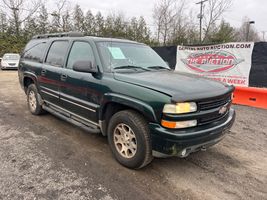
(85, 126)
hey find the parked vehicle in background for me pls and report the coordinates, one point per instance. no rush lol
(124, 90)
(0, 62)
(10, 61)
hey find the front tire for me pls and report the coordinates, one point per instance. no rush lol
(129, 139)
(32, 100)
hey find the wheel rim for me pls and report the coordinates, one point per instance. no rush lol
(32, 101)
(125, 140)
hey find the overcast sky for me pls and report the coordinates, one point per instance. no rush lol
(256, 10)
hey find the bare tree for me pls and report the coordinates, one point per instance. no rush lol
(191, 28)
(243, 31)
(164, 14)
(157, 15)
(42, 20)
(3, 22)
(180, 23)
(172, 20)
(18, 11)
(212, 13)
(61, 17)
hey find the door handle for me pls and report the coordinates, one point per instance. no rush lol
(43, 72)
(63, 77)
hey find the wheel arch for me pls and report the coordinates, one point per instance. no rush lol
(28, 79)
(113, 103)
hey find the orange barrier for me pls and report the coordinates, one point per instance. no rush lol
(251, 96)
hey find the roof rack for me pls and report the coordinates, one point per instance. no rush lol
(65, 34)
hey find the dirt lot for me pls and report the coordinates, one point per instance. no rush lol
(47, 158)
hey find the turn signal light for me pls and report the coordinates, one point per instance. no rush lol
(181, 124)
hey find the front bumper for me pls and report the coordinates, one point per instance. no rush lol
(9, 67)
(167, 142)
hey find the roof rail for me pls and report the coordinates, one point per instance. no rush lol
(65, 34)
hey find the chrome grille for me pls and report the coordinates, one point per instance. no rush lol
(213, 118)
(215, 103)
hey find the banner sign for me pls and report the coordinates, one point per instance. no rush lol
(229, 63)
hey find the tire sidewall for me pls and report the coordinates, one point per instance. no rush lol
(38, 108)
(139, 156)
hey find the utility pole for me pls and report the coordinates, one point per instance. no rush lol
(200, 16)
(263, 35)
(248, 29)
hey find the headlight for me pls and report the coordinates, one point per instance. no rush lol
(180, 108)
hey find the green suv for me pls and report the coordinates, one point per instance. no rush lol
(125, 91)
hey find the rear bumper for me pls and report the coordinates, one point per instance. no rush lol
(166, 142)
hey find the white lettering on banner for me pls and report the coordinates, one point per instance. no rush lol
(229, 63)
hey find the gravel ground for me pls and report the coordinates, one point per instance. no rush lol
(43, 157)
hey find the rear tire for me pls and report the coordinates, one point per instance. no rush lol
(129, 139)
(32, 99)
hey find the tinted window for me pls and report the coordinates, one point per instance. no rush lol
(35, 53)
(80, 51)
(57, 53)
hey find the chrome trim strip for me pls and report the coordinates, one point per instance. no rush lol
(49, 89)
(50, 94)
(64, 99)
(79, 101)
(78, 105)
(87, 120)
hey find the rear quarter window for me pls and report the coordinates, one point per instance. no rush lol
(35, 52)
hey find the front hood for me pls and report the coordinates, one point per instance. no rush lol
(180, 86)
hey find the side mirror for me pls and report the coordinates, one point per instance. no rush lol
(84, 66)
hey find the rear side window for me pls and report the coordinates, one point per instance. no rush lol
(80, 51)
(57, 53)
(35, 53)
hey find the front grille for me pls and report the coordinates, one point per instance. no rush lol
(213, 118)
(214, 106)
(215, 103)
(210, 110)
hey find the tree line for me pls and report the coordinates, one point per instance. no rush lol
(177, 23)
(173, 24)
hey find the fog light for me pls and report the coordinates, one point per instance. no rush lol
(180, 124)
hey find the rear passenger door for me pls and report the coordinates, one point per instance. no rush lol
(51, 71)
(79, 90)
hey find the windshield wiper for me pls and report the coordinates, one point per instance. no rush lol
(158, 67)
(131, 67)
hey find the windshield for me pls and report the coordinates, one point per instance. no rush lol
(11, 57)
(123, 55)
